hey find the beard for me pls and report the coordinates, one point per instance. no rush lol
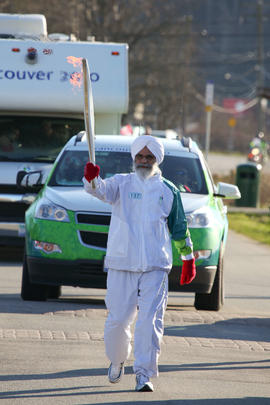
(144, 171)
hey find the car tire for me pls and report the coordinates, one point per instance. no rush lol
(30, 291)
(54, 291)
(215, 300)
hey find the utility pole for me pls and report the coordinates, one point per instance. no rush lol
(209, 97)
(183, 103)
(260, 67)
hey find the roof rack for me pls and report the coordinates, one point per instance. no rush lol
(79, 137)
(186, 142)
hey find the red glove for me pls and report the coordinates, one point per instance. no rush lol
(91, 171)
(188, 271)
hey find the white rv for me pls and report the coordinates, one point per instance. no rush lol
(41, 103)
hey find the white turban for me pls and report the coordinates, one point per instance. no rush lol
(152, 143)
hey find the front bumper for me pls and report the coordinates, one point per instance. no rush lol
(90, 274)
(202, 283)
(77, 273)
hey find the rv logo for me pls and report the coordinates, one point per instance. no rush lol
(40, 75)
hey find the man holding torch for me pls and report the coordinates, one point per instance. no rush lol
(147, 212)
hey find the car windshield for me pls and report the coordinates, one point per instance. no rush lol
(182, 171)
(35, 139)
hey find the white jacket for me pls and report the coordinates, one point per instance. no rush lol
(144, 213)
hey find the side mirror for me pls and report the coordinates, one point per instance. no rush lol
(30, 181)
(229, 191)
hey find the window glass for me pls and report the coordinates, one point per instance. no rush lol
(179, 170)
(70, 168)
(34, 139)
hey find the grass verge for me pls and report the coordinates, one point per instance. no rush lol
(254, 226)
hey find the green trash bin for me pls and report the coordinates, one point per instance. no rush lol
(248, 182)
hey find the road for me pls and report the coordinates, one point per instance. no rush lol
(224, 163)
(53, 352)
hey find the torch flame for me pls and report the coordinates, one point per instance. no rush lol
(76, 78)
(76, 62)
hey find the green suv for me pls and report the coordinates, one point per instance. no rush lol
(67, 229)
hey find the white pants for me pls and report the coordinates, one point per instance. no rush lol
(130, 294)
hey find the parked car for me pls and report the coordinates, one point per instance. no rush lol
(66, 228)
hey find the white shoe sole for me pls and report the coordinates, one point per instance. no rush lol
(147, 387)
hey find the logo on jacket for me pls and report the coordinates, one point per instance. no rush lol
(135, 196)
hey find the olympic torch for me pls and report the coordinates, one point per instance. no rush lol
(89, 119)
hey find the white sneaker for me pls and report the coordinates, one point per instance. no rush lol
(143, 384)
(115, 372)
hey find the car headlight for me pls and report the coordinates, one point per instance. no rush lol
(45, 209)
(202, 218)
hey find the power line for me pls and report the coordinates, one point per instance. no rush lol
(246, 106)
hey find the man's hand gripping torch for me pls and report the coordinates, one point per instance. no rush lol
(89, 119)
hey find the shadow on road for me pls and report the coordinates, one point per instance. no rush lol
(168, 368)
(13, 304)
(61, 392)
(230, 365)
(76, 390)
(252, 329)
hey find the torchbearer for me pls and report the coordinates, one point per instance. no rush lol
(147, 212)
(89, 118)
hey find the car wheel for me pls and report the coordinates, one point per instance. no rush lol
(54, 291)
(30, 291)
(215, 300)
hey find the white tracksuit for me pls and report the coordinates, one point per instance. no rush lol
(139, 258)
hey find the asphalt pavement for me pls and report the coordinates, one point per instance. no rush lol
(53, 352)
